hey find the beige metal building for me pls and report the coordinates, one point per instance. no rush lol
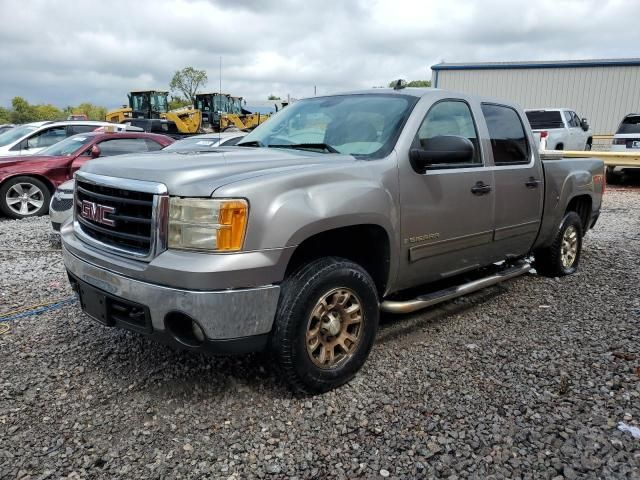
(603, 91)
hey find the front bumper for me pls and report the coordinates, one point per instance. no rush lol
(233, 321)
(60, 209)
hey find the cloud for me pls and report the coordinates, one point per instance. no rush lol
(68, 52)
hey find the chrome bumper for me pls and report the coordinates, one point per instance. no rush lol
(226, 314)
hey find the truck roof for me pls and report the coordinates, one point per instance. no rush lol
(422, 92)
(555, 109)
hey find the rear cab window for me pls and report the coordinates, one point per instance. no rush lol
(509, 142)
(545, 119)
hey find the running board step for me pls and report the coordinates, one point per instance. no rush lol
(424, 301)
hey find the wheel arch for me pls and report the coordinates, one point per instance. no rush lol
(37, 176)
(366, 244)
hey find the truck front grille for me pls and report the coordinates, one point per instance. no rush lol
(118, 219)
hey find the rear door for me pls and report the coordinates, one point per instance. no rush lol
(518, 177)
(447, 210)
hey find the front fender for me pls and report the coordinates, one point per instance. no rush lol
(290, 207)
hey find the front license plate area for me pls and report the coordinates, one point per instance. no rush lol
(94, 304)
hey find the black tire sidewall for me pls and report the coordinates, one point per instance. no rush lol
(308, 288)
(570, 219)
(4, 188)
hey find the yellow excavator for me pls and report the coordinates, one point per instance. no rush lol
(154, 104)
(221, 111)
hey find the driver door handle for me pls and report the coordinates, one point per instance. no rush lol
(532, 182)
(480, 188)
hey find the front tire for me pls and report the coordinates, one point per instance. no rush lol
(563, 255)
(325, 325)
(22, 197)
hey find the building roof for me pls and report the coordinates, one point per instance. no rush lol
(606, 62)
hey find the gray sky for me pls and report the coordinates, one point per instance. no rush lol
(66, 52)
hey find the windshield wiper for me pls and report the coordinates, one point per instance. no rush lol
(302, 146)
(251, 143)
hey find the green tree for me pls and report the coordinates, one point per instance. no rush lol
(93, 112)
(187, 82)
(273, 97)
(5, 115)
(22, 112)
(178, 102)
(413, 83)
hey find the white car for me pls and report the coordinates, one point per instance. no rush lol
(205, 142)
(626, 139)
(31, 138)
(561, 128)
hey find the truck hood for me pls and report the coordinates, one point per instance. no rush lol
(199, 174)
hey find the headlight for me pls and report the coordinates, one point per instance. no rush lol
(207, 224)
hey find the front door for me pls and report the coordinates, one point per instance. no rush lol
(447, 209)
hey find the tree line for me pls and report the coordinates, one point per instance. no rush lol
(21, 111)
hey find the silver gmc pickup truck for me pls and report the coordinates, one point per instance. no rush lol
(337, 208)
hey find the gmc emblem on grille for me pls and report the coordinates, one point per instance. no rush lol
(97, 213)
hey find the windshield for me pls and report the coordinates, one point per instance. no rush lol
(67, 146)
(362, 125)
(630, 124)
(140, 102)
(213, 103)
(14, 134)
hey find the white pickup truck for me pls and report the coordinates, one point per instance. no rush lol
(561, 128)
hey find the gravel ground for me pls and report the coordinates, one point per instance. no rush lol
(526, 380)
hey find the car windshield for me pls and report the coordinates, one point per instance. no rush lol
(14, 134)
(365, 125)
(630, 124)
(66, 147)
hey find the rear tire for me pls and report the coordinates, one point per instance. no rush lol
(325, 325)
(22, 197)
(563, 255)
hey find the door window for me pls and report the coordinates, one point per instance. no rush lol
(508, 138)
(120, 146)
(47, 137)
(153, 146)
(575, 119)
(447, 118)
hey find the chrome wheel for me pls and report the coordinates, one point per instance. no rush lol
(24, 198)
(334, 328)
(569, 248)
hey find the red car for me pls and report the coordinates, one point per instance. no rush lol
(27, 182)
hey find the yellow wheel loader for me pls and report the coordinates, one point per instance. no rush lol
(154, 104)
(221, 111)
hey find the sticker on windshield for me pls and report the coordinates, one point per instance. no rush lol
(205, 142)
(79, 139)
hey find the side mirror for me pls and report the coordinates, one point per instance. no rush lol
(95, 151)
(442, 150)
(584, 124)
